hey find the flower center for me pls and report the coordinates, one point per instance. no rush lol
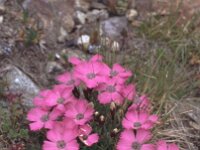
(136, 146)
(91, 75)
(61, 144)
(113, 73)
(70, 82)
(79, 116)
(85, 137)
(60, 101)
(110, 88)
(44, 118)
(137, 125)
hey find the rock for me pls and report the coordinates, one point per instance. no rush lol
(19, 82)
(82, 5)
(131, 14)
(96, 14)
(54, 67)
(63, 35)
(52, 15)
(2, 2)
(80, 17)
(96, 5)
(84, 42)
(1, 19)
(113, 27)
(68, 23)
(5, 48)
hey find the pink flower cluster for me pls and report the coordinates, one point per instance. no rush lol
(137, 124)
(66, 111)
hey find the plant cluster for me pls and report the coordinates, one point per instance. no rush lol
(90, 106)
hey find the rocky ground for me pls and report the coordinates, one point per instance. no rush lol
(37, 37)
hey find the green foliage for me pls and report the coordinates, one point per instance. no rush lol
(31, 36)
(10, 124)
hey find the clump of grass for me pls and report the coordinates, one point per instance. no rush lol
(165, 73)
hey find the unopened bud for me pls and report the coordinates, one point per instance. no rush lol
(112, 106)
(91, 104)
(121, 112)
(114, 132)
(101, 120)
(96, 114)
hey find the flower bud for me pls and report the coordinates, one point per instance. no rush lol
(91, 104)
(114, 132)
(96, 114)
(112, 106)
(101, 120)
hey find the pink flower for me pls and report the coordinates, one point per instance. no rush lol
(139, 119)
(96, 57)
(130, 140)
(59, 96)
(86, 137)
(68, 79)
(111, 91)
(75, 61)
(141, 103)
(61, 139)
(129, 91)
(119, 74)
(162, 145)
(80, 111)
(91, 73)
(39, 100)
(42, 118)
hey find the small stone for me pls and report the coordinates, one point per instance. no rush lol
(63, 35)
(96, 5)
(131, 14)
(54, 67)
(68, 23)
(81, 17)
(1, 19)
(82, 5)
(96, 14)
(84, 41)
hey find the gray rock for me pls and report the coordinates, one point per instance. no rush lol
(63, 35)
(1, 19)
(2, 2)
(95, 14)
(96, 5)
(80, 17)
(6, 48)
(113, 27)
(19, 82)
(82, 5)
